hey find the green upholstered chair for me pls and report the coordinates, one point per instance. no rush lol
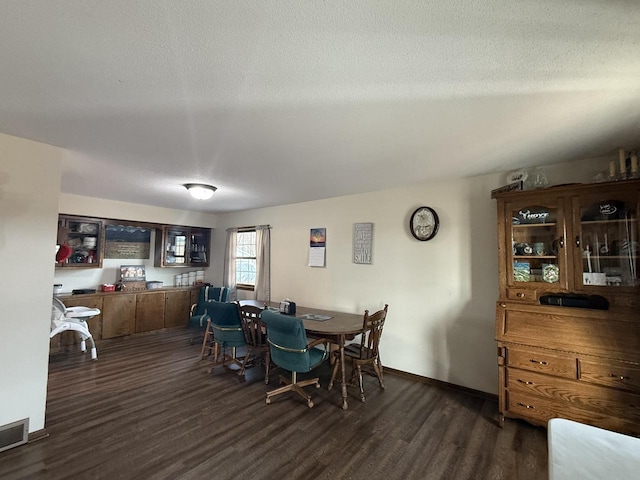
(227, 330)
(199, 314)
(290, 350)
(364, 356)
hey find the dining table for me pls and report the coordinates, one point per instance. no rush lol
(336, 327)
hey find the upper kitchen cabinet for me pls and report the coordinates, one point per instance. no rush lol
(182, 247)
(81, 238)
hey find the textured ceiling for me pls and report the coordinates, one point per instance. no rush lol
(279, 101)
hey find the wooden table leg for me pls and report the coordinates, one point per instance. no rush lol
(342, 372)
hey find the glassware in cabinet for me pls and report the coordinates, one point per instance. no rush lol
(608, 241)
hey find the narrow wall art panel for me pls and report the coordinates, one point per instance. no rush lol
(363, 243)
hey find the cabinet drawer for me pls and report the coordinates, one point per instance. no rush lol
(624, 302)
(591, 332)
(522, 294)
(573, 393)
(542, 361)
(610, 374)
(539, 411)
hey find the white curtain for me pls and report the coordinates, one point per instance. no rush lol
(230, 264)
(262, 290)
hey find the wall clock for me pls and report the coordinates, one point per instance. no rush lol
(424, 223)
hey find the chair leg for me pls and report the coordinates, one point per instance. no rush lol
(94, 351)
(268, 362)
(245, 360)
(208, 336)
(353, 380)
(294, 386)
(378, 369)
(214, 362)
(359, 370)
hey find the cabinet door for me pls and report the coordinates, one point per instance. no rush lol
(607, 242)
(535, 232)
(177, 305)
(119, 315)
(84, 236)
(199, 244)
(172, 247)
(149, 311)
(182, 247)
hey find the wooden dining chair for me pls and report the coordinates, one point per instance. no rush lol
(255, 338)
(366, 353)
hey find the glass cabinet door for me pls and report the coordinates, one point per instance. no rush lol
(536, 253)
(175, 247)
(81, 239)
(608, 241)
(199, 247)
(183, 247)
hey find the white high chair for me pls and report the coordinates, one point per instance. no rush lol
(73, 318)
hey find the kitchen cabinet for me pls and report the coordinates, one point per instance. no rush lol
(126, 313)
(182, 247)
(567, 322)
(149, 311)
(177, 306)
(85, 237)
(119, 315)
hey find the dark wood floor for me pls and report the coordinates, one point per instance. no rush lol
(147, 409)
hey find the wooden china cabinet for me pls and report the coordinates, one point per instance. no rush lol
(568, 312)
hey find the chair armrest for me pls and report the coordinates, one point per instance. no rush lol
(193, 307)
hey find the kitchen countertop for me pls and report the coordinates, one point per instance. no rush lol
(99, 292)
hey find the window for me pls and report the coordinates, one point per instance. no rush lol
(246, 259)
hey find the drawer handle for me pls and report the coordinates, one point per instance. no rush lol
(524, 405)
(520, 295)
(526, 382)
(503, 305)
(619, 377)
(538, 362)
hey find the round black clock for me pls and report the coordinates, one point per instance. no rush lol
(424, 223)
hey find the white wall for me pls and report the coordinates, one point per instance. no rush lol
(441, 293)
(110, 273)
(29, 188)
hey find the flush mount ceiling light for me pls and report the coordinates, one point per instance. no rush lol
(200, 190)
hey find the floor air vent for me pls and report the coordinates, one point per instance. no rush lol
(14, 434)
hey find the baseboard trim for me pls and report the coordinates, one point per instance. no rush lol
(441, 384)
(38, 435)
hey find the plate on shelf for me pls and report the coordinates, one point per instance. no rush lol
(517, 176)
